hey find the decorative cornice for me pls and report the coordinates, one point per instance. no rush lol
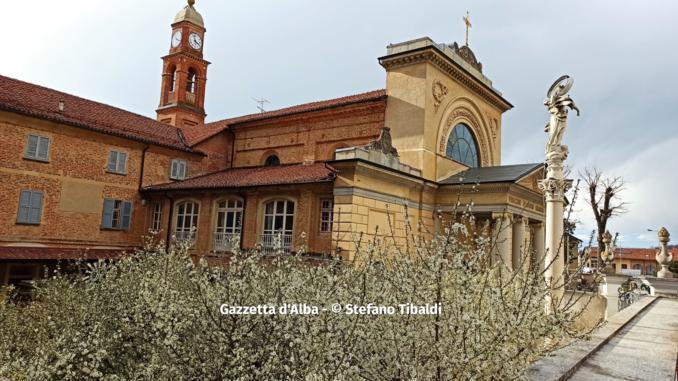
(433, 55)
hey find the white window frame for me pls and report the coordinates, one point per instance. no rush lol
(225, 232)
(117, 160)
(326, 214)
(183, 230)
(156, 216)
(120, 215)
(42, 144)
(178, 169)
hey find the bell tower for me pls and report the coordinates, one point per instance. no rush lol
(184, 73)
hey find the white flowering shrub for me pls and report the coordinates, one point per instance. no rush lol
(156, 315)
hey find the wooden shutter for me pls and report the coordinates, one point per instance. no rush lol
(126, 214)
(122, 162)
(174, 169)
(32, 148)
(182, 169)
(112, 161)
(43, 148)
(107, 219)
(35, 208)
(24, 206)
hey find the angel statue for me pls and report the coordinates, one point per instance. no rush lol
(558, 101)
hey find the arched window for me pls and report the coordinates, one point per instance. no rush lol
(187, 221)
(229, 224)
(272, 161)
(462, 146)
(191, 82)
(173, 79)
(278, 221)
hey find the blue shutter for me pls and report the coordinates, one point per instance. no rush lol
(112, 160)
(32, 148)
(35, 208)
(43, 148)
(122, 162)
(126, 214)
(107, 219)
(24, 207)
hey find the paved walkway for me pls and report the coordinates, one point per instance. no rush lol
(645, 349)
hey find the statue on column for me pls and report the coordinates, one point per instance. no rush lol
(558, 102)
(663, 257)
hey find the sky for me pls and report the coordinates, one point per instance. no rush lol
(623, 56)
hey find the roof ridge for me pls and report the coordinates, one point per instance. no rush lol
(87, 100)
(375, 92)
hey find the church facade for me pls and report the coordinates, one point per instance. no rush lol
(82, 179)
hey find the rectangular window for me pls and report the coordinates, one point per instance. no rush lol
(178, 170)
(117, 162)
(37, 148)
(30, 207)
(326, 213)
(117, 214)
(157, 216)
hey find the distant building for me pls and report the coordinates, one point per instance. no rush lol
(631, 259)
(81, 178)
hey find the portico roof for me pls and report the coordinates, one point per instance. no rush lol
(496, 174)
(252, 177)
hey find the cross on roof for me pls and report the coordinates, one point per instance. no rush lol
(467, 21)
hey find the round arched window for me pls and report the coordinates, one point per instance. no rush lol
(462, 147)
(272, 161)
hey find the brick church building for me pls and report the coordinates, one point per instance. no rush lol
(82, 179)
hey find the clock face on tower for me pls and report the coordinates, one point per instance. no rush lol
(176, 39)
(195, 41)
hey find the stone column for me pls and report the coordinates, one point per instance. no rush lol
(538, 242)
(554, 190)
(518, 250)
(663, 257)
(503, 234)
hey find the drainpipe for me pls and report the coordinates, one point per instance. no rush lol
(169, 222)
(242, 221)
(232, 146)
(143, 165)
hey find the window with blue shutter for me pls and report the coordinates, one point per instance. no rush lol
(117, 162)
(117, 214)
(37, 148)
(30, 207)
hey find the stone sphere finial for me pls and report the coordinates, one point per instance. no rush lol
(664, 236)
(191, 3)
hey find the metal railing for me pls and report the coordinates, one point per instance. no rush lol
(225, 241)
(271, 243)
(183, 236)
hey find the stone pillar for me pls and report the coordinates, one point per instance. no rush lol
(538, 242)
(519, 249)
(663, 257)
(503, 234)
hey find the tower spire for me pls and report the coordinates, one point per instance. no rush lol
(467, 21)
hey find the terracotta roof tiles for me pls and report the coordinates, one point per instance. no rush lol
(253, 177)
(41, 102)
(200, 133)
(56, 253)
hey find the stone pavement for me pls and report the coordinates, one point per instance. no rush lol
(645, 349)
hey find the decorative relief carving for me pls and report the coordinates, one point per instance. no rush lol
(384, 143)
(439, 91)
(467, 55)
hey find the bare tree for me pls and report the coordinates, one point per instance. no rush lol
(604, 198)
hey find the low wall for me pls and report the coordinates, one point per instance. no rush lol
(593, 307)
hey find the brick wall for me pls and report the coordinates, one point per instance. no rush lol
(74, 182)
